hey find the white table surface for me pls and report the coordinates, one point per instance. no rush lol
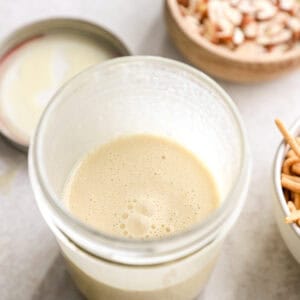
(254, 264)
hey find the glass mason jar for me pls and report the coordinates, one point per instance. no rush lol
(126, 96)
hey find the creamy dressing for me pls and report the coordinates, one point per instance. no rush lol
(141, 186)
(31, 74)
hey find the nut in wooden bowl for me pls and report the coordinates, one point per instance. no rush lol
(237, 40)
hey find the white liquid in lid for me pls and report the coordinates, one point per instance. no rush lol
(31, 74)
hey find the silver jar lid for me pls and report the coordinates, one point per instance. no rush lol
(34, 31)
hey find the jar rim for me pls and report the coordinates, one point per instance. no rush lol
(141, 252)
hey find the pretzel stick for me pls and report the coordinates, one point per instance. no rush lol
(293, 217)
(288, 163)
(297, 201)
(292, 197)
(291, 153)
(291, 206)
(290, 184)
(288, 137)
(296, 168)
(296, 179)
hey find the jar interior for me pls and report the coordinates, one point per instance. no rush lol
(140, 96)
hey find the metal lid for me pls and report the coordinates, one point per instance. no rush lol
(42, 28)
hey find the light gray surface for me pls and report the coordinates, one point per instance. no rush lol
(255, 264)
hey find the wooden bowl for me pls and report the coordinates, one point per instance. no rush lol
(221, 62)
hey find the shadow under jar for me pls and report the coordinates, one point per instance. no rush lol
(140, 95)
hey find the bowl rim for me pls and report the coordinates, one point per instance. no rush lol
(279, 157)
(223, 53)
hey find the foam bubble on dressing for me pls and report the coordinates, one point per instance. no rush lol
(141, 186)
(31, 74)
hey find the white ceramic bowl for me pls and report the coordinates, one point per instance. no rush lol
(289, 232)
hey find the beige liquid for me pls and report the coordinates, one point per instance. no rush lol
(141, 187)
